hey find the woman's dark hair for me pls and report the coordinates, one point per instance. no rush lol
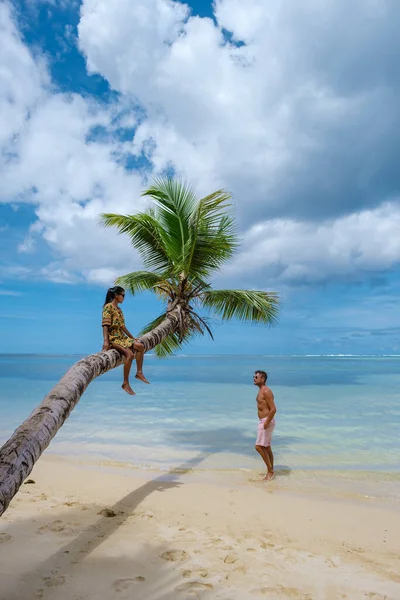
(112, 292)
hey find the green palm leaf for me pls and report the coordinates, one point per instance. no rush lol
(141, 281)
(183, 241)
(172, 342)
(215, 239)
(175, 203)
(146, 235)
(245, 305)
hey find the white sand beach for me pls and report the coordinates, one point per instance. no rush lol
(84, 532)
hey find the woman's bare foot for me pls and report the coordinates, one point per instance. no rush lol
(141, 377)
(127, 388)
(269, 476)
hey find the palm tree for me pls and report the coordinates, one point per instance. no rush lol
(184, 241)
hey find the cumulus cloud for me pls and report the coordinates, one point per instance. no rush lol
(294, 107)
(300, 120)
(348, 248)
(52, 157)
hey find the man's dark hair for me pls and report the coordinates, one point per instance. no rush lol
(264, 374)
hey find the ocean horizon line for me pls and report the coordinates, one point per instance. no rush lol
(202, 355)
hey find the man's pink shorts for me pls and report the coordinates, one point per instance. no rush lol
(264, 436)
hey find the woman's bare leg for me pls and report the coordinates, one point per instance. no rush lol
(129, 356)
(139, 349)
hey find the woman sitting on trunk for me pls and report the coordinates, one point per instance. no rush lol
(116, 336)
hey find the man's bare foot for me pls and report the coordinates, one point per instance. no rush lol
(127, 388)
(141, 377)
(269, 476)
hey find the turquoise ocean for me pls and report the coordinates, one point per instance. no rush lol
(338, 420)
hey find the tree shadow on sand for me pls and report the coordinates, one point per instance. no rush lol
(63, 563)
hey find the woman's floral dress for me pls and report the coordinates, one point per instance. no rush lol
(114, 319)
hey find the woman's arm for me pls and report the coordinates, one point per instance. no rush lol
(124, 329)
(106, 340)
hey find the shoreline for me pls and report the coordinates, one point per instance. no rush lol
(179, 535)
(352, 484)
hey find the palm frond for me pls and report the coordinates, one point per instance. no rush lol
(245, 305)
(146, 235)
(174, 195)
(215, 239)
(199, 323)
(172, 342)
(212, 208)
(175, 202)
(141, 281)
(168, 346)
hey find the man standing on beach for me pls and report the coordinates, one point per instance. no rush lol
(266, 413)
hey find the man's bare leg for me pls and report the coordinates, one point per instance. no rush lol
(270, 475)
(262, 451)
(271, 456)
(139, 349)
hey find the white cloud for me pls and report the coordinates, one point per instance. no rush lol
(286, 121)
(300, 123)
(22, 81)
(351, 247)
(53, 159)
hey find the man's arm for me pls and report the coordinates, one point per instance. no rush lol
(269, 398)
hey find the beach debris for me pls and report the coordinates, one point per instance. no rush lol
(174, 555)
(107, 512)
(28, 481)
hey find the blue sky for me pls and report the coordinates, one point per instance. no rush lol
(293, 108)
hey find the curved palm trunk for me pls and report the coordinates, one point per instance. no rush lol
(29, 441)
(173, 322)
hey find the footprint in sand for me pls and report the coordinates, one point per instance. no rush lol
(5, 537)
(174, 555)
(120, 585)
(230, 559)
(55, 526)
(266, 545)
(193, 587)
(283, 592)
(54, 581)
(187, 573)
(147, 515)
